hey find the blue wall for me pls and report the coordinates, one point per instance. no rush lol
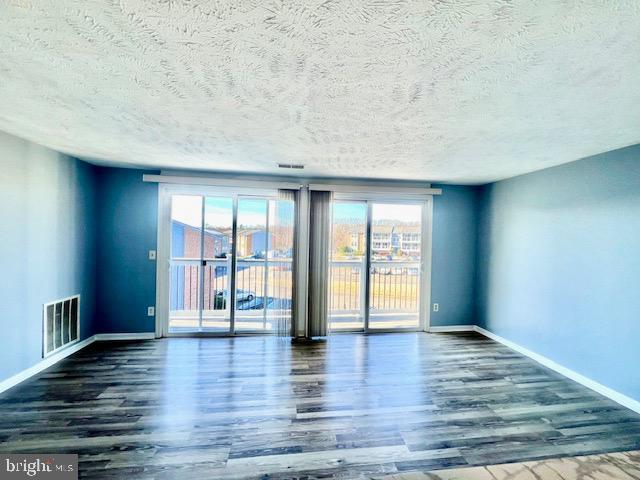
(453, 268)
(548, 260)
(128, 216)
(48, 207)
(559, 265)
(70, 227)
(126, 231)
(128, 212)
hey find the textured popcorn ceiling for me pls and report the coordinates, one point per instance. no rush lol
(460, 90)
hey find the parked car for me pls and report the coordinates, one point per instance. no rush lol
(241, 295)
(244, 295)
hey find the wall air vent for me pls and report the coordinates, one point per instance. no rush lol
(291, 165)
(61, 325)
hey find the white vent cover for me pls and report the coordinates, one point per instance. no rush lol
(61, 324)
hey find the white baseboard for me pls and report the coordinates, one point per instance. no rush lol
(62, 354)
(126, 336)
(617, 397)
(452, 328)
(44, 364)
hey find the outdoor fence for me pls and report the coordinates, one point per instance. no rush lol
(394, 286)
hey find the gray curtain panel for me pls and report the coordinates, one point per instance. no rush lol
(319, 251)
(283, 251)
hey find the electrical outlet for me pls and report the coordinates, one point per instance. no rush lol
(151, 311)
(152, 254)
(436, 307)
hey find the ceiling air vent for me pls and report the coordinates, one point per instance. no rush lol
(291, 165)
(61, 324)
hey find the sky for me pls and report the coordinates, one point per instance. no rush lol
(357, 211)
(252, 212)
(218, 211)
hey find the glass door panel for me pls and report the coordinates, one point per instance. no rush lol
(206, 294)
(251, 271)
(185, 278)
(395, 266)
(217, 247)
(347, 270)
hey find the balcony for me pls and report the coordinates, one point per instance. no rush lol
(394, 294)
(263, 296)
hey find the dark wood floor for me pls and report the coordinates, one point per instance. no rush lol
(353, 407)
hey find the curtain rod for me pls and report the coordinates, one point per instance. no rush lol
(375, 189)
(341, 188)
(220, 182)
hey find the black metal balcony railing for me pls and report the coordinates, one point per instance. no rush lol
(394, 287)
(263, 289)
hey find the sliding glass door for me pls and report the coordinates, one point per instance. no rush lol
(217, 251)
(209, 291)
(376, 266)
(251, 266)
(348, 268)
(394, 272)
(185, 264)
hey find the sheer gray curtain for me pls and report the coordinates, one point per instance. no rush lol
(282, 253)
(319, 251)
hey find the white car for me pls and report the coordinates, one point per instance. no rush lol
(241, 295)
